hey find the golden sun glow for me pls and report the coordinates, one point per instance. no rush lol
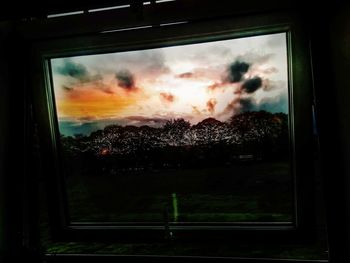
(93, 103)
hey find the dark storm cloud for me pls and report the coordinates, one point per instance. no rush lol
(273, 105)
(73, 69)
(239, 104)
(167, 97)
(79, 75)
(125, 79)
(236, 70)
(247, 104)
(251, 85)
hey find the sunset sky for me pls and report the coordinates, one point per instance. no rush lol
(147, 87)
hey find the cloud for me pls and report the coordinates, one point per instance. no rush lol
(125, 79)
(231, 108)
(255, 58)
(107, 90)
(211, 105)
(273, 85)
(87, 118)
(239, 105)
(73, 69)
(148, 63)
(86, 125)
(205, 72)
(251, 85)
(196, 111)
(215, 85)
(141, 120)
(246, 63)
(78, 87)
(275, 104)
(236, 70)
(78, 75)
(167, 97)
(270, 70)
(185, 75)
(275, 42)
(67, 88)
(247, 104)
(153, 61)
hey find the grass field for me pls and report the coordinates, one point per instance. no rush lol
(243, 192)
(248, 191)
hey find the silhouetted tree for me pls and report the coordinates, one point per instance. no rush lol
(174, 131)
(209, 141)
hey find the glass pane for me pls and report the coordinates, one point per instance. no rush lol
(188, 133)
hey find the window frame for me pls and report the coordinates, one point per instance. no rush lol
(300, 102)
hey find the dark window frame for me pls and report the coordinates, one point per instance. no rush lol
(300, 96)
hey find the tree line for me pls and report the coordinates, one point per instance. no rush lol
(258, 134)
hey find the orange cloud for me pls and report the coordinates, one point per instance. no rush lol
(211, 105)
(186, 75)
(167, 97)
(215, 85)
(91, 102)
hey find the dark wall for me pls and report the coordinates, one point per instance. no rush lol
(12, 142)
(340, 84)
(330, 41)
(3, 136)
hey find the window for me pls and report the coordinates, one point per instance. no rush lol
(194, 131)
(189, 133)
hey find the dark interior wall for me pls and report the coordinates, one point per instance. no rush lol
(3, 135)
(11, 145)
(330, 42)
(340, 63)
(340, 55)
